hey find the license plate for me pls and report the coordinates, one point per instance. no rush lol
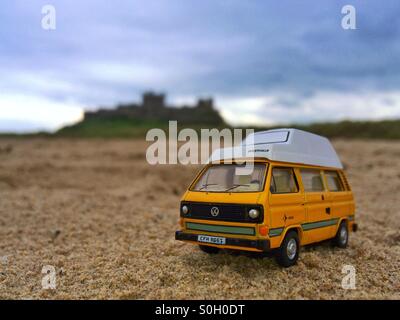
(209, 239)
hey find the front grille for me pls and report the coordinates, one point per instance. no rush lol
(226, 212)
(220, 229)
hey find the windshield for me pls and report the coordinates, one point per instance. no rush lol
(230, 178)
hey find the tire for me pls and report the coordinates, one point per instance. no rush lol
(209, 249)
(342, 236)
(288, 252)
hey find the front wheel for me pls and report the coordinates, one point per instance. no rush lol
(288, 253)
(209, 249)
(342, 236)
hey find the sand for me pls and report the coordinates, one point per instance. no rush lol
(105, 220)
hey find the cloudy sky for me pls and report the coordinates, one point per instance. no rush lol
(263, 61)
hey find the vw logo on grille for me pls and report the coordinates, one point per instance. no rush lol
(214, 211)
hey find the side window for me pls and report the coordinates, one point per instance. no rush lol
(312, 180)
(333, 180)
(283, 181)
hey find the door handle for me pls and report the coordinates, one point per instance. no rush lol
(328, 210)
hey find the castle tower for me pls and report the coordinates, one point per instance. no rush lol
(153, 103)
(205, 103)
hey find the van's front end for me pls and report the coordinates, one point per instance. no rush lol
(224, 208)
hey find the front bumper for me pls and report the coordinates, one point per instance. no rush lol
(262, 245)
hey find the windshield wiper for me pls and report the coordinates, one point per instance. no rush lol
(207, 184)
(235, 186)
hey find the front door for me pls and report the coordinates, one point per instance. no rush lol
(286, 202)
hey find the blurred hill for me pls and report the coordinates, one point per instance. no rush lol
(123, 127)
(383, 129)
(135, 119)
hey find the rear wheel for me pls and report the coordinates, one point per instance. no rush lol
(209, 249)
(288, 253)
(342, 236)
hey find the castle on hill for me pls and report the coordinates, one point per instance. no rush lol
(153, 107)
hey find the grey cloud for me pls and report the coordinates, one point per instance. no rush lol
(235, 48)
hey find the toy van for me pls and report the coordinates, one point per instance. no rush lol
(296, 194)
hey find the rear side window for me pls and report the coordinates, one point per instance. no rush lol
(333, 181)
(312, 180)
(283, 181)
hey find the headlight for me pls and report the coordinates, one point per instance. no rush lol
(185, 209)
(254, 213)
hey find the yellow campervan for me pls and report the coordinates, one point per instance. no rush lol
(296, 193)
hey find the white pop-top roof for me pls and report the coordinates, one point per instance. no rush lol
(286, 145)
